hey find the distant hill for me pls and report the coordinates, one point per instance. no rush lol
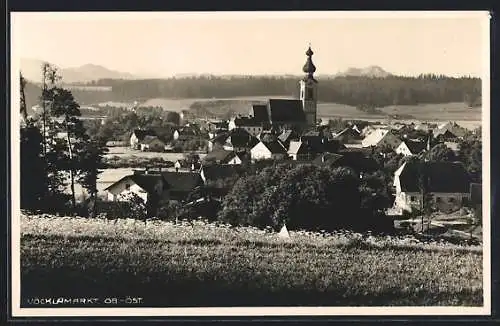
(371, 71)
(31, 69)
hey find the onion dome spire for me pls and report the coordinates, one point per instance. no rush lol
(309, 67)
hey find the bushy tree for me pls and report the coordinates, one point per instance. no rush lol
(441, 153)
(303, 197)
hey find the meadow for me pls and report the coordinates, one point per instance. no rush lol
(203, 264)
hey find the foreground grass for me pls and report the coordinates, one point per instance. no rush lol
(206, 265)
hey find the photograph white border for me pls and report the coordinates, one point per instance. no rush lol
(17, 311)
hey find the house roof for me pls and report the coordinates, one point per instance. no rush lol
(145, 181)
(220, 171)
(247, 122)
(275, 147)
(448, 177)
(181, 181)
(260, 113)
(286, 136)
(415, 147)
(286, 111)
(141, 133)
(220, 138)
(373, 138)
(298, 147)
(219, 155)
(239, 137)
(349, 132)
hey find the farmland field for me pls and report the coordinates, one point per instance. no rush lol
(204, 264)
(129, 152)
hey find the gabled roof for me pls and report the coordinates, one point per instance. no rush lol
(181, 181)
(373, 138)
(275, 147)
(415, 147)
(145, 181)
(239, 137)
(286, 111)
(349, 132)
(220, 171)
(298, 147)
(141, 133)
(287, 135)
(219, 155)
(220, 138)
(260, 113)
(449, 177)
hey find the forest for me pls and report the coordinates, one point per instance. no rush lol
(361, 92)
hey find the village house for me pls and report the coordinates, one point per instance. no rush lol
(155, 186)
(250, 124)
(212, 125)
(447, 184)
(186, 132)
(152, 144)
(449, 131)
(237, 140)
(349, 135)
(222, 156)
(300, 151)
(268, 151)
(411, 147)
(138, 136)
(381, 138)
(287, 136)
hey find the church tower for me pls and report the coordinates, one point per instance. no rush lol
(309, 90)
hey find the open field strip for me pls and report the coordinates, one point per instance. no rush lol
(212, 265)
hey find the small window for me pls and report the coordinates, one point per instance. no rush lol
(451, 200)
(438, 199)
(413, 198)
(127, 186)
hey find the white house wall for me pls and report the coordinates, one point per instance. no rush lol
(260, 152)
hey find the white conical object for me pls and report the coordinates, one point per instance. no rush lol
(284, 232)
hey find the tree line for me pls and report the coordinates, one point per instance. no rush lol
(356, 91)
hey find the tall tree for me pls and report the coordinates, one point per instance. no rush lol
(90, 155)
(62, 103)
(24, 111)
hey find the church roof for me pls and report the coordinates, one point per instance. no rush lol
(260, 113)
(286, 111)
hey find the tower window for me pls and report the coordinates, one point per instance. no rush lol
(309, 93)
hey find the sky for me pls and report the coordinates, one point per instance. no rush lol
(166, 44)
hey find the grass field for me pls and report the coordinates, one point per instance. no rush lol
(209, 265)
(129, 152)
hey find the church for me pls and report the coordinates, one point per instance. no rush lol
(298, 113)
